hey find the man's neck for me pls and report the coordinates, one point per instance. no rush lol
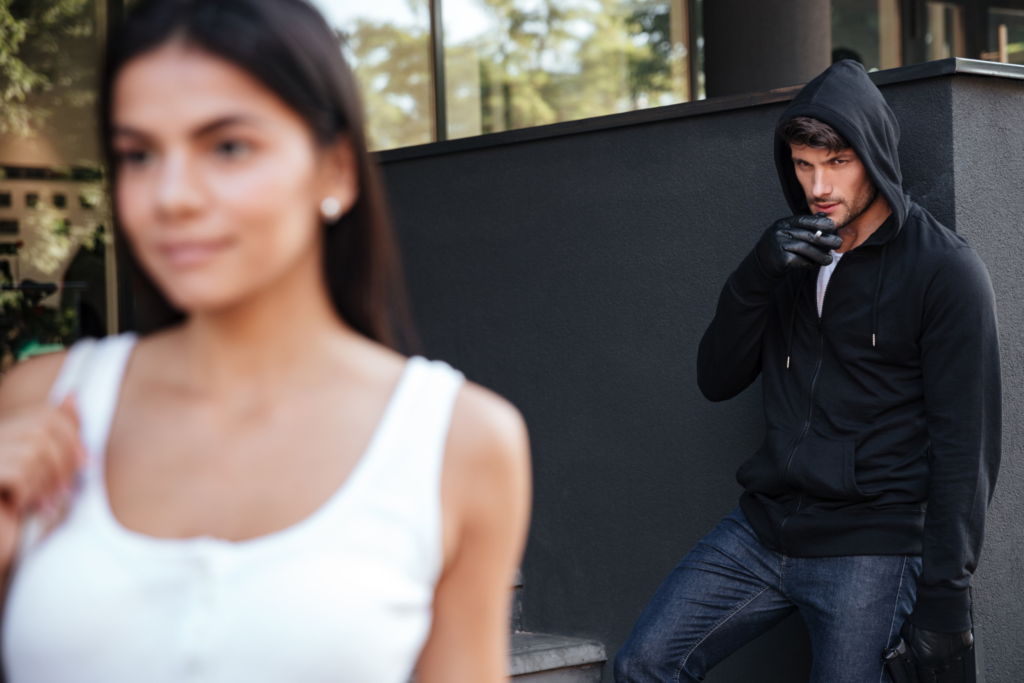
(860, 229)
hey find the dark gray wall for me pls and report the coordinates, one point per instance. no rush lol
(575, 275)
(988, 178)
(751, 46)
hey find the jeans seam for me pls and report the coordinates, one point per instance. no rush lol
(686, 657)
(895, 609)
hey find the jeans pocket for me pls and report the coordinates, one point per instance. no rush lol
(826, 469)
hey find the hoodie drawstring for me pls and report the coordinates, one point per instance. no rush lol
(878, 290)
(874, 308)
(792, 318)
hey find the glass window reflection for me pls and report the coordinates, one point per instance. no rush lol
(867, 31)
(387, 43)
(519, 63)
(945, 37)
(1006, 35)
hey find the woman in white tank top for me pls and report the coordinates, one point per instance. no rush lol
(259, 488)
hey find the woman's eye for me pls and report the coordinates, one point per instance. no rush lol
(232, 149)
(134, 157)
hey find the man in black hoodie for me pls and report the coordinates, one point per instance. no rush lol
(874, 330)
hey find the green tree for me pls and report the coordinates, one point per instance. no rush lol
(47, 47)
(561, 60)
(392, 66)
(543, 62)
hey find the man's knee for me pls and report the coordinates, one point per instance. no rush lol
(635, 661)
(626, 662)
(643, 659)
(621, 666)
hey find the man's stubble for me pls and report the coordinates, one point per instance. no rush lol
(857, 208)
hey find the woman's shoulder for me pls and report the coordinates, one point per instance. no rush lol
(488, 440)
(29, 382)
(486, 419)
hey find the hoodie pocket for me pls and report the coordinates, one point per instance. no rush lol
(825, 469)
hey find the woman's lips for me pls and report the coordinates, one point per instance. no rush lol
(185, 254)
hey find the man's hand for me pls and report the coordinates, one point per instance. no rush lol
(940, 656)
(797, 242)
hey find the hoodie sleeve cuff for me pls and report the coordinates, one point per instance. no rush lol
(943, 610)
(750, 282)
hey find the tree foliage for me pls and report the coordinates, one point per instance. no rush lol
(542, 61)
(40, 51)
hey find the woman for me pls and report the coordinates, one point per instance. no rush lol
(264, 490)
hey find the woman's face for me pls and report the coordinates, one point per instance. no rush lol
(219, 182)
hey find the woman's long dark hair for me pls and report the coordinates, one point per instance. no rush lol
(287, 46)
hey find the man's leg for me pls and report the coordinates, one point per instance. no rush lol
(854, 608)
(722, 595)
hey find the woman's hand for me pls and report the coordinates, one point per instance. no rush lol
(40, 453)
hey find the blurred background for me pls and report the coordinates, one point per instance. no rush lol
(446, 69)
(430, 70)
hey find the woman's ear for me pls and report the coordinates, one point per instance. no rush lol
(340, 178)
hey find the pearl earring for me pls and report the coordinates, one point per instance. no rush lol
(330, 208)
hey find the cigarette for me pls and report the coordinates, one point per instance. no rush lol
(818, 234)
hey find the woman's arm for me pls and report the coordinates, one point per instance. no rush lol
(486, 501)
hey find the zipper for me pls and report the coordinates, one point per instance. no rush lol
(810, 408)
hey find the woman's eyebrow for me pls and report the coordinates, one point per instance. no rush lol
(127, 131)
(201, 131)
(223, 122)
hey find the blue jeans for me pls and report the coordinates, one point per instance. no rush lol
(730, 589)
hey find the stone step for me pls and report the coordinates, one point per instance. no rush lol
(542, 658)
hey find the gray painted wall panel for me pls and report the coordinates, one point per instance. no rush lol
(988, 124)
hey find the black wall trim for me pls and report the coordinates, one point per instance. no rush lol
(944, 67)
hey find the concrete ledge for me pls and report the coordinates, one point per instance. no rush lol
(535, 652)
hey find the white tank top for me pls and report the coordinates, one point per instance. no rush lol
(344, 595)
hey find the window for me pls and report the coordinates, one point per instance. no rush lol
(8, 227)
(32, 200)
(5, 200)
(527, 63)
(387, 43)
(867, 31)
(1005, 35)
(60, 201)
(944, 36)
(506, 64)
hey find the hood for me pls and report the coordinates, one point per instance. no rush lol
(845, 98)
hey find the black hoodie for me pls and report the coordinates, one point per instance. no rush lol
(883, 416)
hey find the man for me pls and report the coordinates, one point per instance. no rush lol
(874, 330)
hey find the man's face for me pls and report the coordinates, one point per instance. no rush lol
(835, 183)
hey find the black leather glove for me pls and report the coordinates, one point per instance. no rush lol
(794, 242)
(940, 656)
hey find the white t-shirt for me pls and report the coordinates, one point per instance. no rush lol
(824, 275)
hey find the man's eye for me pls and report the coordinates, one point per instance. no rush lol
(232, 149)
